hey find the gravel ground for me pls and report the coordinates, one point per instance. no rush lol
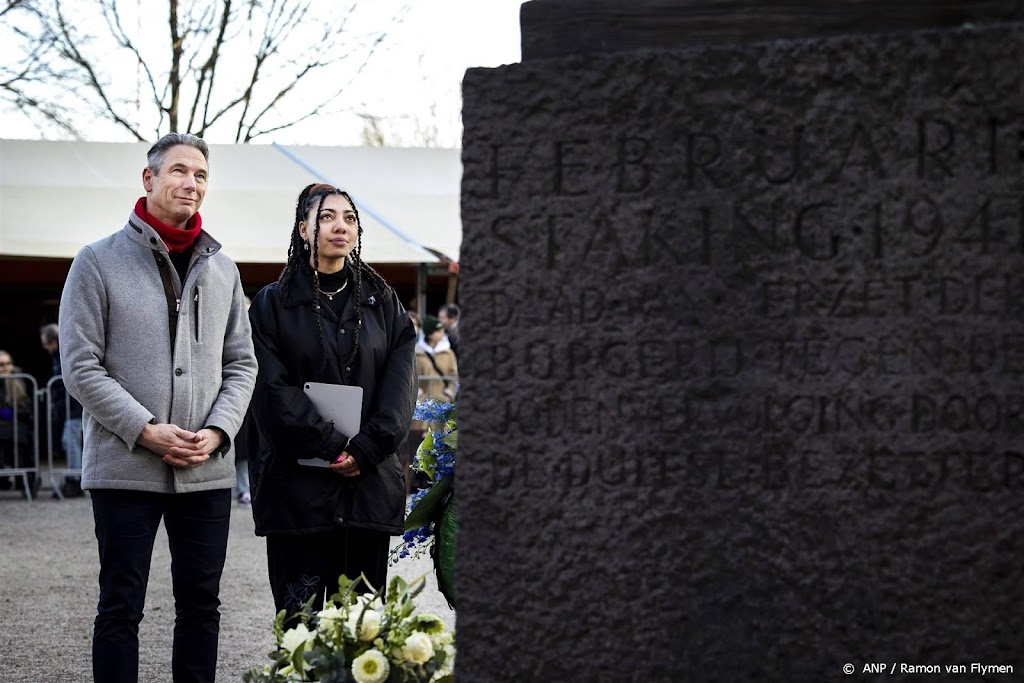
(48, 574)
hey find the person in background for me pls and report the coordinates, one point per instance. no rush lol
(15, 424)
(66, 414)
(156, 346)
(448, 314)
(437, 372)
(415, 318)
(329, 318)
(435, 358)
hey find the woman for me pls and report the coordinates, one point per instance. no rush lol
(15, 422)
(435, 358)
(329, 318)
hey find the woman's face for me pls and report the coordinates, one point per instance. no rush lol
(6, 364)
(435, 336)
(338, 232)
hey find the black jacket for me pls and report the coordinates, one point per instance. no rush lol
(292, 498)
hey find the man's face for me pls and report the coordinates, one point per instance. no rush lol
(175, 193)
(50, 346)
(442, 315)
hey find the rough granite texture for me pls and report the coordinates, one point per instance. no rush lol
(741, 394)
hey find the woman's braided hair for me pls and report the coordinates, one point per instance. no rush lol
(313, 196)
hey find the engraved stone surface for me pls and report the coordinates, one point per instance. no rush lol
(742, 395)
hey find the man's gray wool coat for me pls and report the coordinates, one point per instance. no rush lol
(117, 359)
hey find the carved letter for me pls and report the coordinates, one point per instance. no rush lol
(702, 152)
(562, 149)
(634, 173)
(795, 159)
(802, 243)
(926, 153)
(870, 158)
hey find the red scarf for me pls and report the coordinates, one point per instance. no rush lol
(176, 239)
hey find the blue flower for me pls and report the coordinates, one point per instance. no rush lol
(435, 457)
(433, 410)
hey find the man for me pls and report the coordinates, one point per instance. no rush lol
(448, 314)
(157, 348)
(66, 416)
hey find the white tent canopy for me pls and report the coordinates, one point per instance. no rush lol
(57, 196)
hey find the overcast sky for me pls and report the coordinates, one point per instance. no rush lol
(413, 81)
(427, 56)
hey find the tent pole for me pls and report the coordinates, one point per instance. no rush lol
(453, 283)
(421, 290)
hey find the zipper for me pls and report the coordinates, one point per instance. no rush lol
(198, 314)
(173, 300)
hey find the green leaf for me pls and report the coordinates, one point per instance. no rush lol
(279, 629)
(444, 551)
(423, 513)
(423, 455)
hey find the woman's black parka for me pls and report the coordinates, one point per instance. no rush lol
(289, 498)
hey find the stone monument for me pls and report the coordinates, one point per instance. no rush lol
(744, 344)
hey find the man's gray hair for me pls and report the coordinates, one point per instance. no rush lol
(155, 155)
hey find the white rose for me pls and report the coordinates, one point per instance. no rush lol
(370, 627)
(368, 601)
(331, 619)
(296, 637)
(371, 667)
(418, 648)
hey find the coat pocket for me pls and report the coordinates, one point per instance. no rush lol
(197, 313)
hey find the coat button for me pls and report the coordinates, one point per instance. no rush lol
(160, 261)
(179, 372)
(343, 331)
(348, 369)
(152, 240)
(340, 520)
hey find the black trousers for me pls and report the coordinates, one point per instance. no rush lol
(197, 533)
(302, 566)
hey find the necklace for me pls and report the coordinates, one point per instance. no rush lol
(330, 295)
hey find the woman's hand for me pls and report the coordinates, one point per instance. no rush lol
(345, 465)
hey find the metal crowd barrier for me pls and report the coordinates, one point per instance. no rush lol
(64, 472)
(17, 463)
(425, 380)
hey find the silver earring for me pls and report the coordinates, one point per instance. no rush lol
(305, 245)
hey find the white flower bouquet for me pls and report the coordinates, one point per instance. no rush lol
(361, 638)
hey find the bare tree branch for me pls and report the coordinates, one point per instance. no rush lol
(11, 4)
(204, 87)
(297, 57)
(113, 19)
(68, 47)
